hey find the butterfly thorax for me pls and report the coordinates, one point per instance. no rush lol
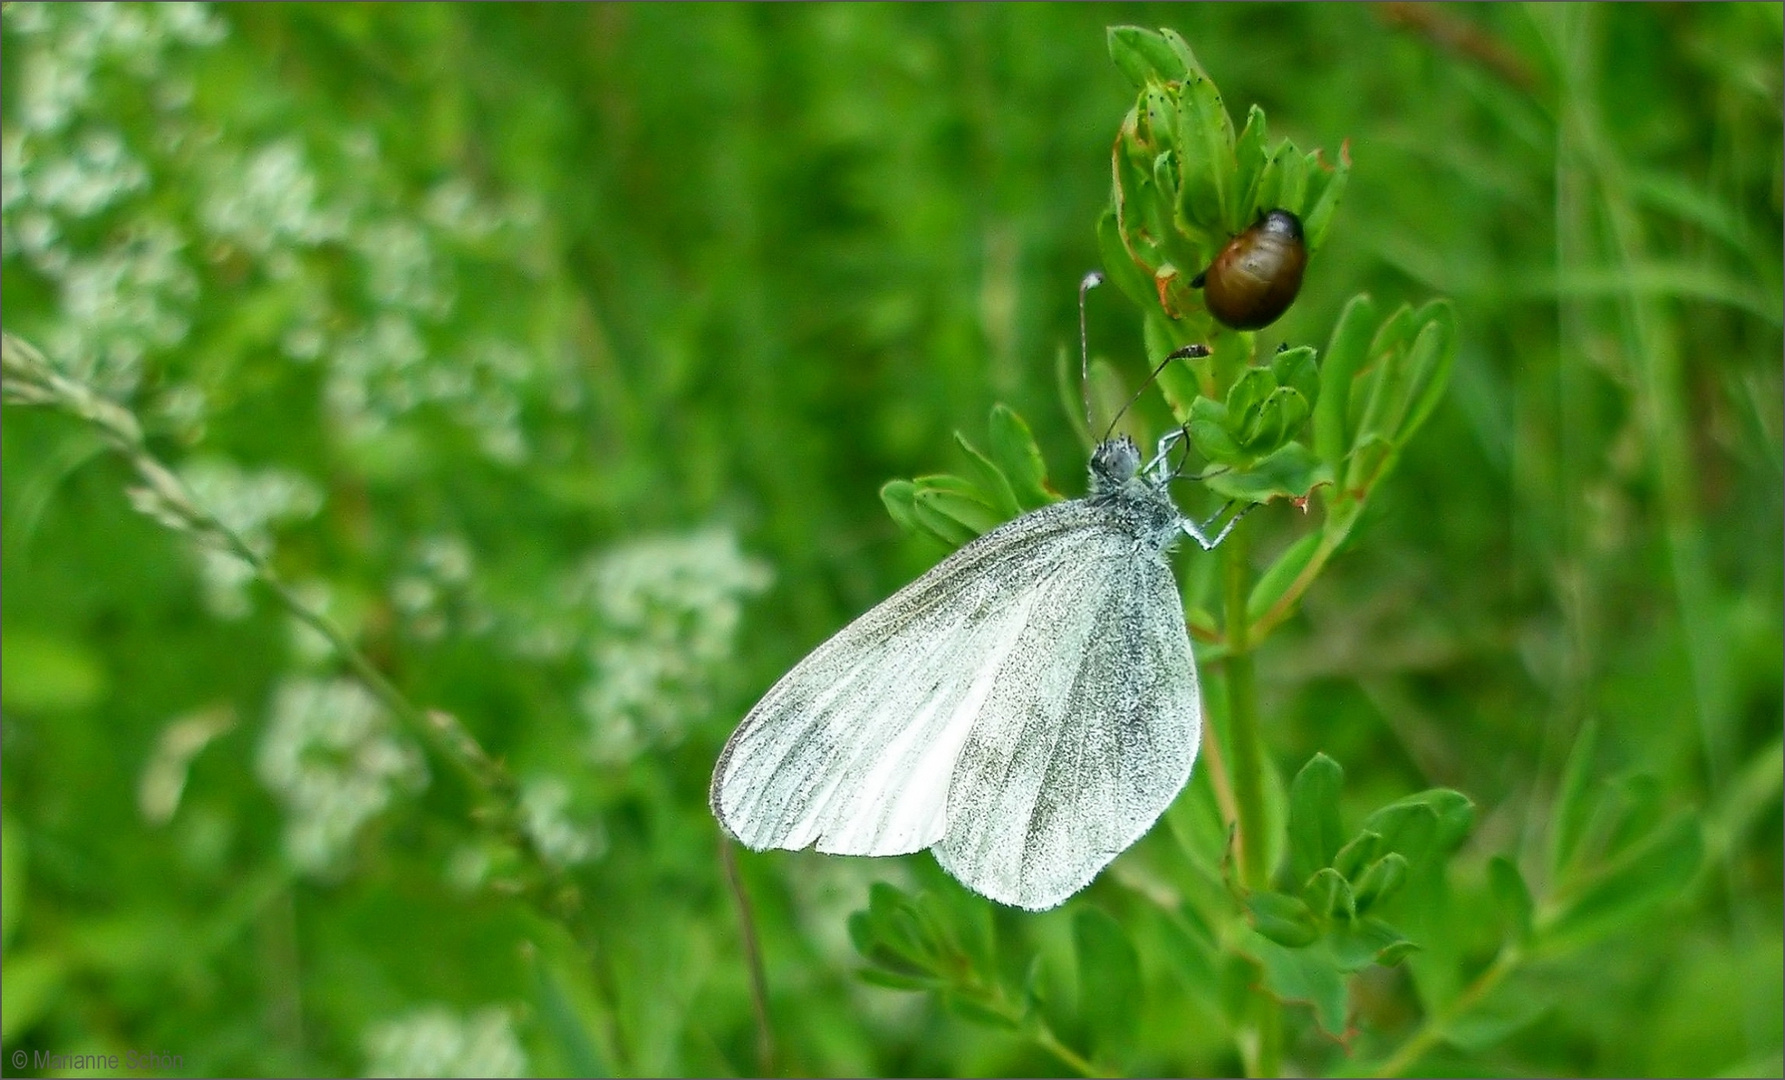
(1138, 504)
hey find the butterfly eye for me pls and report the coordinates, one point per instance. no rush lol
(1258, 274)
(1115, 460)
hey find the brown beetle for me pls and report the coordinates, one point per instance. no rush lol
(1255, 278)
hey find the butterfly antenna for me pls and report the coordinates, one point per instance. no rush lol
(1089, 282)
(1188, 352)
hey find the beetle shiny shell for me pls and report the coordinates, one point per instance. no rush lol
(1255, 278)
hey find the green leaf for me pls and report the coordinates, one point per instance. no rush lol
(1358, 853)
(1356, 945)
(1314, 832)
(892, 933)
(1379, 398)
(899, 497)
(1292, 178)
(1574, 800)
(1289, 472)
(1296, 368)
(952, 509)
(1382, 880)
(1246, 395)
(1306, 975)
(1166, 181)
(1143, 55)
(1421, 826)
(1209, 432)
(1181, 49)
(1205, 143)
(1393, 335)
(1119, 266)
(1345, 353)
(1014, 451)
(1429, 364)
(1330, 895)
(1276, 580)
(1512, 898)
(1326, 188)
(1250, 156)
(989, 480)
(1109, 984)
(1643, 876)
(1286, 920)
(1270, 185)
(1279, 417)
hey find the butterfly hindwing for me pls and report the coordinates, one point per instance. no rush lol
(1068, 766)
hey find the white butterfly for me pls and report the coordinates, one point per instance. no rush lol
(1027, 708)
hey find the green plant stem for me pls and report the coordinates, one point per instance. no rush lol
(1341, 512)
(1248, 775)
(1046, 1039)
(1242, 717)
(993, 1000)
(759, 983)
(1432, 1031)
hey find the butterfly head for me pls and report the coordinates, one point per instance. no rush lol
(1114, 463)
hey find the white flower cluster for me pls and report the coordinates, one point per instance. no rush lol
(437, 1041)
(668, 611)
(329, 755)
(129, 290)
(544, 806)
(438, 592)
(266, 201)
(249, 503)
(131, 235)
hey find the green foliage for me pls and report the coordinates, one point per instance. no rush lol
(549, 359)
(1005, 481)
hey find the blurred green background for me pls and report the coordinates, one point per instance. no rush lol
(558, 353)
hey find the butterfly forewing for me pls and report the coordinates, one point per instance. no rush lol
(1029, 707)
(852, 751)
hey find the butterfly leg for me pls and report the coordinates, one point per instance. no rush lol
(1155, 468)
(1199, 533)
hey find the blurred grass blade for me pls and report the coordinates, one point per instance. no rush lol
(1574, 801)
(1512, 898)
(1111, 994)
(1642, 877)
